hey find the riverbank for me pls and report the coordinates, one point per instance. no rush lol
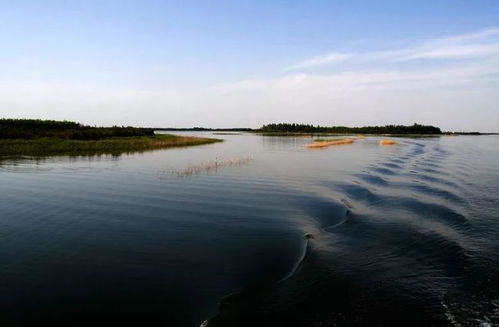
(115, 145)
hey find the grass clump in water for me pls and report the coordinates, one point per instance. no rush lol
(322, 143)
(212, 166)
(387, 142)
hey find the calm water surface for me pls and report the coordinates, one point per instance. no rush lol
(351, 235)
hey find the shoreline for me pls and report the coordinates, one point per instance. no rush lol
(115, 145)
(328, 134)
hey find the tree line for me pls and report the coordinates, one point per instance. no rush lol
(37, 128)
(388, 129)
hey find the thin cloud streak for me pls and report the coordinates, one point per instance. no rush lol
(470, 36)
(463, 46)
(461, 51)
(334, 57)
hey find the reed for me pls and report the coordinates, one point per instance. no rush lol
(387, 142)
(326, 143)
(212, 166)
(117, 145)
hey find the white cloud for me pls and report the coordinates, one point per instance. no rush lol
(472, 45)
(330, 58)
(470, 36)
(457, 51)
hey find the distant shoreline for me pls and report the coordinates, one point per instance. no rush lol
(220, 131)
(292, 129)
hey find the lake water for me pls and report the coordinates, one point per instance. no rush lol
(357, 234)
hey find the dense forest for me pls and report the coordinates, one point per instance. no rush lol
(388, 129)
(36, 128)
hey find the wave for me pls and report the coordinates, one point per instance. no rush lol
(392, 244)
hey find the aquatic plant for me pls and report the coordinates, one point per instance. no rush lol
(387, 142)
(57, 146)
(325, 143)
(214, 165)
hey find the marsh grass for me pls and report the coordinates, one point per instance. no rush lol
(291, 134)
(332, 140)
(387, 142)
(212, 166)
(322, 143)
(115, 146)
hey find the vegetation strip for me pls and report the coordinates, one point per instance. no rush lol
(36, 128)
(28, 137)
(54, 146)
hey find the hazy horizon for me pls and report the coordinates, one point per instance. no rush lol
(224, 64)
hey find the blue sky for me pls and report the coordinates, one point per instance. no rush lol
(245, 63)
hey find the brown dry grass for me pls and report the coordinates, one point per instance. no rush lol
(326, 143)
(387, 142)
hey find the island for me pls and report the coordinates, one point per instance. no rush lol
(287, 128)
(35, 137)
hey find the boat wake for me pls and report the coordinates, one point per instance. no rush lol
(391, 246)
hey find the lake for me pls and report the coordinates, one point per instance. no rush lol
(255, 231)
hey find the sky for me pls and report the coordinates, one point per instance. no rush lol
(246, 63)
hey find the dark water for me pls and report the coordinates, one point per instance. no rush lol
(401, 235)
